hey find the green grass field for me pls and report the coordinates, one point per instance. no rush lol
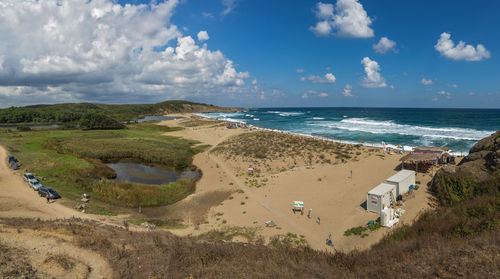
(71, 162)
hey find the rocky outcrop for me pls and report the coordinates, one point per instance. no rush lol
(483, 160)
(478, 174)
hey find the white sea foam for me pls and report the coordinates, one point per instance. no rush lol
(389, 127)
(285, 113)
(231, 116)
(256, 119)
(318, 118)
(290, 113)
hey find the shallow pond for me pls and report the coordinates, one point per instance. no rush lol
(138, 173)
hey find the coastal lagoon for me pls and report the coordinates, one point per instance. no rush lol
(458, 129)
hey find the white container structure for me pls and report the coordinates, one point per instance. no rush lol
(380, 197)
(402, 180)
(387, 218)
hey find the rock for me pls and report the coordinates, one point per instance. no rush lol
(148, 226)
(483, 159)
(80, 207)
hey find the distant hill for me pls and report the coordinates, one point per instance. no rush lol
(72, 112)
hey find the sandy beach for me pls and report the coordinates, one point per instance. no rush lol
(328, 190)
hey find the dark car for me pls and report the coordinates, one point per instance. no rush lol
(43, 191)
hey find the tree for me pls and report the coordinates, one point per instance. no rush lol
(99, 121)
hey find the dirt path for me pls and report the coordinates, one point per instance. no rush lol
(17, 199)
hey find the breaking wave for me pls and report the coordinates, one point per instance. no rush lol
(389, 127)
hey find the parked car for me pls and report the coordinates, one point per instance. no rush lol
(35, 185)
(29, 177)
(43, 191)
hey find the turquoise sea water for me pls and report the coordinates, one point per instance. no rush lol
(455, 128)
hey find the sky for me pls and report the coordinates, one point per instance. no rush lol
(258, 53)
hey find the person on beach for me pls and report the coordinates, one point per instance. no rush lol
(309, 213)
(319, 220)
(48, 198)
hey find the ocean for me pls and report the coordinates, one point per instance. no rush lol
(458, 129)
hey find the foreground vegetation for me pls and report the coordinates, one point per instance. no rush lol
(72, 161)
(160, 254)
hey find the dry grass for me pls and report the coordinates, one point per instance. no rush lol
(14, 263)
(196, 122)
(160, 254)
(265, 149)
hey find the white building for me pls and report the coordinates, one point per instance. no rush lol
(380, 197)
(402, 181)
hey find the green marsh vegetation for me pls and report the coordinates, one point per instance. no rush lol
(73, 162)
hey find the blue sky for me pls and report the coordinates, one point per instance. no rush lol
(271, 39)
(257, 53)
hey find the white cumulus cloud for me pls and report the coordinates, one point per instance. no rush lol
(203, 36)
(328, 78)
(312, 93)
(347, 91)
(445, 93)
(461, 51)
(384, 45)
(426, 81)
(373, 79)
(101, 51)
(229, 6)
(347, 18)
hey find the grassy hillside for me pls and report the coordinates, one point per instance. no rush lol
(71, 113)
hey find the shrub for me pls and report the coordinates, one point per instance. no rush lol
(23, 128)
(451, 189)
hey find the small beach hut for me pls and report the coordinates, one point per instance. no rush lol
(380, 197)
(402, 180)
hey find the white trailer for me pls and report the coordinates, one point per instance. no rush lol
(402, 180)
(380, 197)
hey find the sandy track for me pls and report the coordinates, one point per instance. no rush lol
(17, 199)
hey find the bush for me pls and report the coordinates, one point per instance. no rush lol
(132, 194)
(356, 230)
(23, 128)
(451, 189)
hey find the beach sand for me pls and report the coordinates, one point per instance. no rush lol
(327, 189)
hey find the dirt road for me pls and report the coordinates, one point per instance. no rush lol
(17, 199)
